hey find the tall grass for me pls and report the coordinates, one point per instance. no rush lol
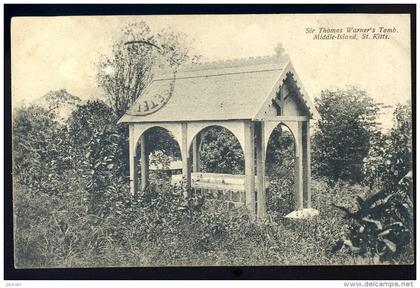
(159, 229)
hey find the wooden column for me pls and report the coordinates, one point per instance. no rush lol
(306, 149)
(144, 162)
(298, 168)
(132, 161)
(260, 147)
(249, 166)
(186, 163)
(196, 153)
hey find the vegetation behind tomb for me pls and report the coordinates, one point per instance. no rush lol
(221, 152)
(343, 134)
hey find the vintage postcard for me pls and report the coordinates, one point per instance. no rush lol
(212, 140)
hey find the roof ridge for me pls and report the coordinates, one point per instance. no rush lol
(245, 61)
(212, 75)
(224, 64)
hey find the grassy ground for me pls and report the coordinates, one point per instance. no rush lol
(157, 230)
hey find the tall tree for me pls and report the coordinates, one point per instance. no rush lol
(129, 69)
(124, 75)
(341, 140)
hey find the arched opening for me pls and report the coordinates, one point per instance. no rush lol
(162, 157)
(218, 164)
(219, 151)
(280, 171)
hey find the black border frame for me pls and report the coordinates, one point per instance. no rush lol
(380, 272)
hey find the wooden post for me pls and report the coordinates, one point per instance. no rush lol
(144, 162)
(283, 94)
(249, 166)
(306, 141)
(260, 147)
(298, 168)
(132, 161)
(196, 153)
(186, 166)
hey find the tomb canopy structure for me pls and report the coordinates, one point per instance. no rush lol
(249, 97)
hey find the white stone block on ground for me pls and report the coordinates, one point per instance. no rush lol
(302, 214)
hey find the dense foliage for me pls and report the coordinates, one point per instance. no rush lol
(381, 228)
(382, 224)
(97, 150)
(221, 152)
(39, 150)
(159, 229)
(390, 155)
(343, 134)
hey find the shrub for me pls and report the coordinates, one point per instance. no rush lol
(39, 146)
(381, 228)
(390, 155)
(343, 133)
(96, 147)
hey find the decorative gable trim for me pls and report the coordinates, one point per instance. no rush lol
(288, 77)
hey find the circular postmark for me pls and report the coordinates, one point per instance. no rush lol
(154, 97)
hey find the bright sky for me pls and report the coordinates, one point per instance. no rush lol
(50, 53)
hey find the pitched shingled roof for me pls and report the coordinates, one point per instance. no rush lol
(226, 90)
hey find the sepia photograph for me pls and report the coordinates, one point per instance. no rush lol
(212, 140)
